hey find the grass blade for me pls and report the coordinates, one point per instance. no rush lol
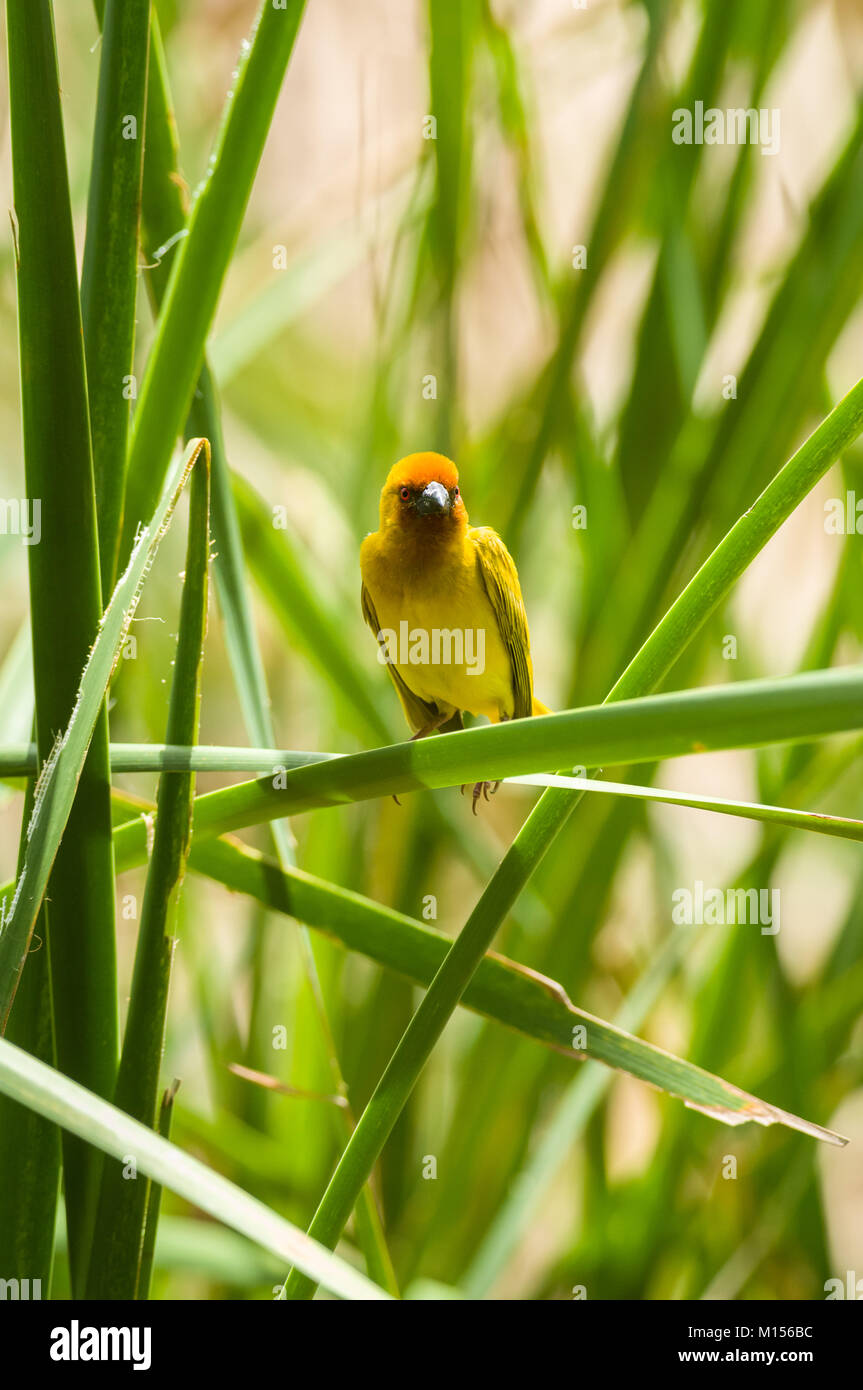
(109, 281)
(568, 1121)
(658, 654)
(608, 223)
(65, 595)
(745, 715)
(501, 989)
(817, 822)
(55, 790)
(139, 757)
(454, 31)
(65, 1103)
(154, 1195)
(163, 212)
(202, 256)
(116, 1264)
(29, 1144)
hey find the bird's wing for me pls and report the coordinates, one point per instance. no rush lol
(418, 713)
(499, 578)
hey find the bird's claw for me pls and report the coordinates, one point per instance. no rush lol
(481, 789)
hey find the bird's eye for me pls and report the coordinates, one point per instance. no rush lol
(405, 494)
(455, 492)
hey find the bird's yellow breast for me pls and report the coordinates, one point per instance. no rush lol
(442, 630)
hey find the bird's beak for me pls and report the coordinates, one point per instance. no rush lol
(433, 500)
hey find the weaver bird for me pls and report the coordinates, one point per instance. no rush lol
(443, 599)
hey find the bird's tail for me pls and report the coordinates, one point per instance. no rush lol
(540, 708)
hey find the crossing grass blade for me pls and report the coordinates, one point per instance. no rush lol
(164, 216)
(753, 432)
(116, 1266)
(64, 1102)
(164, 211)
(201, 259)
(127, 758)
(650, 664)
(58, 779)
(500, 989)
(449, 247)
(745, 715)
(65, 596)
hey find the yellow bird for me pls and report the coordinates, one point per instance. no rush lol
(443, 600)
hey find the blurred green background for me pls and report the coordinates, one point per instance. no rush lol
(404, 285)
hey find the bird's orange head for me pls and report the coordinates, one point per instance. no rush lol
(421, 495)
